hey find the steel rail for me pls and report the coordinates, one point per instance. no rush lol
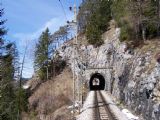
(102, 110)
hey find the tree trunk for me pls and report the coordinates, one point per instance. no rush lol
(143, 33)
(142, 25)
(158, 26)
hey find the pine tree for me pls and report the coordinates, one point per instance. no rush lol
(2, 29)
(137, 19)
(42, 54)
(8, 108)
(98, 22)
(87, 8)
(158, 17)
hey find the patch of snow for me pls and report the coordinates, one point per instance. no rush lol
(76, 105)
(70, 107)
(26, 86)
(129, 115)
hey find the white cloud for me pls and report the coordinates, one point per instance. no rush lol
(23, 38)
(53, 24)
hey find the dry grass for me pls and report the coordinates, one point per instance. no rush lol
(109, 34)
(34, 82)
(52, 95)
(153, 47)
(60, 114)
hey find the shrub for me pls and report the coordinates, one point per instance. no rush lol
(151, 30)
(127, 33)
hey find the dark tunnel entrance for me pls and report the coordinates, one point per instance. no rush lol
(97, 82)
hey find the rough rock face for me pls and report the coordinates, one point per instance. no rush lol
(132, 75)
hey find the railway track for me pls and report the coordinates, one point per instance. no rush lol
(102, 112)
(98, 106)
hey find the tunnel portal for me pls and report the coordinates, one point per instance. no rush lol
(97, 82)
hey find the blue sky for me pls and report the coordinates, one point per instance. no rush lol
(26, 19)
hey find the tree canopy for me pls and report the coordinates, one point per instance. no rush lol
(138, 20)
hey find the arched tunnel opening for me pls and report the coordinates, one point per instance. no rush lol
(97, 82)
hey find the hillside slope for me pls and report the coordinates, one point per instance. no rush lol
(51, 99)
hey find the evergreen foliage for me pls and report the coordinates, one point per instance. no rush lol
(8, 67)
(7, 107)
(98, 22)
(87, 8)
(21, 100)
(42, 54)
(3, 31)
(44, 50)
(58, 64)
(138, 20)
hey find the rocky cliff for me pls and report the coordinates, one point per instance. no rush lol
(132, 75)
